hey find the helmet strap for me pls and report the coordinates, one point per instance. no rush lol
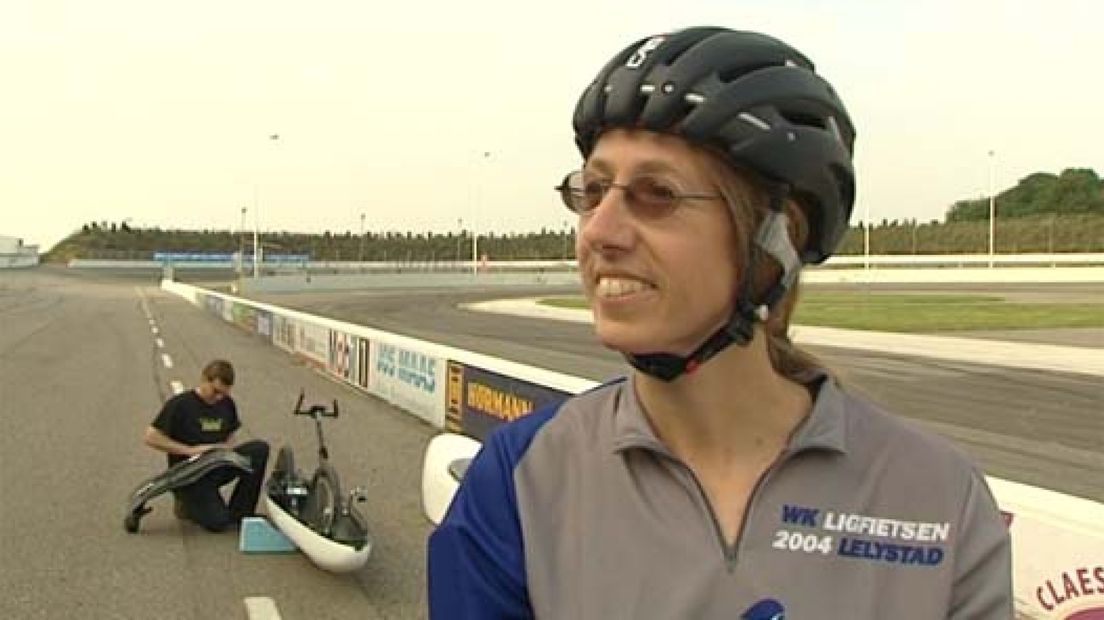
(772, 239)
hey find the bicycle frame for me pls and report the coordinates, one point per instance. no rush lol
(318, 502)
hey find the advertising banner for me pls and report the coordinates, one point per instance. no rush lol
(213, 304)
(264, 323)
(244, 316)
(313, 342)
(487, 399)
(342, 359)
(409, 379)
(364, 363)
(284, 332)
(1057, 552)
(454, 397)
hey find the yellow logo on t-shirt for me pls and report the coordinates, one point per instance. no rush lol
(210, 425)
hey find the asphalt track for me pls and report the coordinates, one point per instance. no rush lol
(81, 376)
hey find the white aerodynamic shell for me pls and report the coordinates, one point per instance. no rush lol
(325, 553)
(438, 484)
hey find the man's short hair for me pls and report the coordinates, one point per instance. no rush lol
(221, 370)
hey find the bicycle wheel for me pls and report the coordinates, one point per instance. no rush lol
(323, 502)
(285, 465)
(282, 481)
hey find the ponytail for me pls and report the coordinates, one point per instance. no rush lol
(749, 204)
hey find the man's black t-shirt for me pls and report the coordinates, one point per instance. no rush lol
(188, 419)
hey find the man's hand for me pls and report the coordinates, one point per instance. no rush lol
(157, 440)
(196, 450)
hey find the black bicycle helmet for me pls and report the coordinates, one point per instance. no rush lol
(749, 95)
(758, 101)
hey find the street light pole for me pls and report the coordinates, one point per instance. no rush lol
(257, 223)
(565, 241)
(241, 242)
(256, 233)
(866, 236)
(475, 234)
(360, 255)
(992, 209)
(459, 239)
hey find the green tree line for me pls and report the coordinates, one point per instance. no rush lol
(1042, 213)
(106, 240)
(1076, 191)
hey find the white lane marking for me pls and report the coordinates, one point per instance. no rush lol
(152, 322)
(160, 343)
(261, 608)
(165, 359)
(155, 331)
(177, 387)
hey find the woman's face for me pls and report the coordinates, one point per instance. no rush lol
(656, 282)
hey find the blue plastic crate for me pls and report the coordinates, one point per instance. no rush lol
(260, 536)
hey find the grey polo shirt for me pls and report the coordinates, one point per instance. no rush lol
(579, 511)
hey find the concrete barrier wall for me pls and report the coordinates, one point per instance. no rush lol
(330, 282)
(18, 261)
(338, 275)
(1058, 540)
(453, 389)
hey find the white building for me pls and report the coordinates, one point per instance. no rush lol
(14, 254)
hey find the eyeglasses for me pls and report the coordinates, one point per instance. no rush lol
(648, 196)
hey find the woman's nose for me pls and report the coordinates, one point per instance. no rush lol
(609, 225)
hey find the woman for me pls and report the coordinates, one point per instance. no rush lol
(729, 475)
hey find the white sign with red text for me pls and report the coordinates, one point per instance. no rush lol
(1057, 551)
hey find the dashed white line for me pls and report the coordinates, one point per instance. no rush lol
(160, 343)
(165, 359)
(177, 387)
(155, 331)
(261, 608)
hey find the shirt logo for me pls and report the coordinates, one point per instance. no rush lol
(861, 537)
(210, 425)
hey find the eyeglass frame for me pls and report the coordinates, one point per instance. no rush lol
(568, 193)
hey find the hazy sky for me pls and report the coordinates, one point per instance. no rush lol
(162, 111)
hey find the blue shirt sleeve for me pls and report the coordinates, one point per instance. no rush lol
(476, 555)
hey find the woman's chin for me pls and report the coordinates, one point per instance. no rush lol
(633, 341)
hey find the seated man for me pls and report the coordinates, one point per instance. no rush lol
(198, 420)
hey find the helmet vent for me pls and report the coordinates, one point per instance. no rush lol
(732, 74)
(802, 119)
(833, 126)
(753, 120)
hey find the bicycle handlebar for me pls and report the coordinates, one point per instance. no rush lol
(315, 410)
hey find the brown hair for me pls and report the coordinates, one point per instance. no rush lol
(748, 200)
(221, 370)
